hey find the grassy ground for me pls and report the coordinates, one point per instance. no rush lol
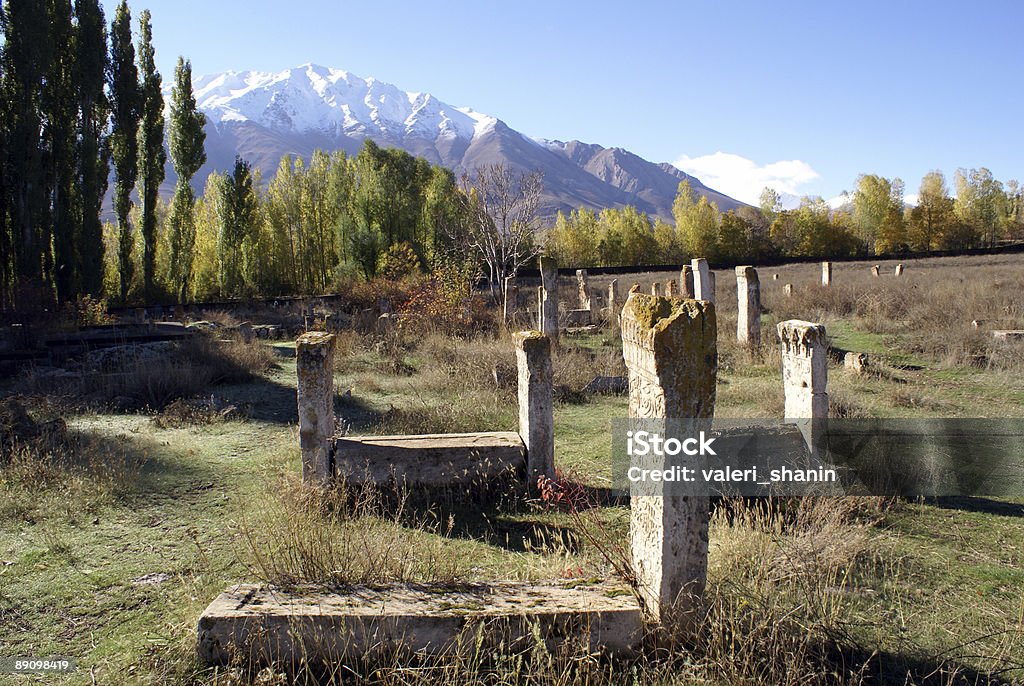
(111, 548)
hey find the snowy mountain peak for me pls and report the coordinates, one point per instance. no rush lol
(312, 98)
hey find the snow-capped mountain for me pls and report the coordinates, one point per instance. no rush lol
(264, 116)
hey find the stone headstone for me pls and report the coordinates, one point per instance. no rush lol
(613, 300)
(670, 288)
(805, 373)
(314, 366)
(686, 282)
(656, 289)
(899, 269)
(826, 273)
(788, 289)
(703, 285)
(549, 299)
(669, 347)
(536, 413)
(874, 270)
(748, 302)
(583, 289)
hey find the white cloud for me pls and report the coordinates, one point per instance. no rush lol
(744, 179)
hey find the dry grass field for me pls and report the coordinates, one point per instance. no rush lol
(119, 526)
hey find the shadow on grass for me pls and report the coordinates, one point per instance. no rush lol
(978, 504)
(895, 669)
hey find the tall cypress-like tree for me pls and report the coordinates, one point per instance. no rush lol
(236, 214)
(26, 59)
(93, 152)
(151, 149)
(188, 155)
(60, 115)
(6, 243)
(126, 105)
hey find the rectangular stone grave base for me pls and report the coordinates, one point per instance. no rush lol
(257, 625)
(430, 459)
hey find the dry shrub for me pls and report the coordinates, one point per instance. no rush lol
(575, 367)
(343, 535)
(469, 363)
(226, 320)
(779, 589)
(184, 372)
(64, 472)
(347, 345)
(195, 412)
(458, 414)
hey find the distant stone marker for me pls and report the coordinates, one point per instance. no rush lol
(874, 270)
(826, 273)
(703, 280)
(549, 298)
(748, 306)
(686, 282)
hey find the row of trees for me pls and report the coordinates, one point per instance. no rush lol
(873, 220)
(74, 100)
(320, 224)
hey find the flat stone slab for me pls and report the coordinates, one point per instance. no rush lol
(260, 625)
(430, 459)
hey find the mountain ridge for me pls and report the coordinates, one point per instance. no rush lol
(264, 116)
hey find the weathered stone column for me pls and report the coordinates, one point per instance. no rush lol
(583, 286)
(656, 289)
(748, 303)
(511, 299)
(536, 413)
(314, 365)
(670, 288)
(874, 270)
(613, 300)
(670, 351)
(686, 282)
(702, 288)
(899, 269)
(826, 273)
(804, 373)
(549, 297)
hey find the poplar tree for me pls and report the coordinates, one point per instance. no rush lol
(151, 149)
(60, 116)
(93, 152)
(187, 154)
(26, 58)
(126, 104)
(6, 244)
(236, 216)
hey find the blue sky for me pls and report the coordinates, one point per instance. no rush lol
(797, 95)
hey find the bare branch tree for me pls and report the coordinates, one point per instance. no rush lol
(502, 218)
